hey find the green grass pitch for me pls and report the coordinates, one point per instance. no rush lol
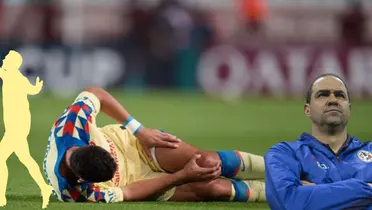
(252, 125)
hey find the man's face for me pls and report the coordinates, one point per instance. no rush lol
(329, 103)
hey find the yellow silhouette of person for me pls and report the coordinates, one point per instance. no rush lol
(17, 121)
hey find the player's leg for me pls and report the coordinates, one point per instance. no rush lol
(221, 190)
(6, 149)
(23, 153)
(26, 159)
(235, 164)
(218, 189)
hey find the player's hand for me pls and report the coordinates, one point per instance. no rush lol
(39, 84)
(193, 172)
(305, 183)
(370, 184)
(154, 138)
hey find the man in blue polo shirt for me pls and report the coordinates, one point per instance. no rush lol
(327, 169)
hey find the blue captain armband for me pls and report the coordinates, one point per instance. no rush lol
(132, 125)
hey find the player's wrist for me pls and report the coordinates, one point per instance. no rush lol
(132, 125)
(180, 177)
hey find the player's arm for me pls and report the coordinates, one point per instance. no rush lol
(112, 108)
(156, 186)
(109, 105)
(33, 89)
(284, 189)
(136, 191)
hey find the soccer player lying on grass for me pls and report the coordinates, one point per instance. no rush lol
(336, 166)
(128, 162)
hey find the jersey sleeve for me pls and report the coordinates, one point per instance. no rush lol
(94, 193)
(88, 102)
(284, 189)
(104, 194)
(72, 127)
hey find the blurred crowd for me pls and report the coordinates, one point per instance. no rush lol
(164, 39)
(162, 42)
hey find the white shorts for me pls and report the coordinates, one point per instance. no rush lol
(153, 155)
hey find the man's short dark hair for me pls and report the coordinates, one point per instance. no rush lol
(93, 164)
(310, 90)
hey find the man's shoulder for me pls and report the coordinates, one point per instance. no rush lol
(364, 152)
(358, 143)
(287, 149)
(287, 146)
(369, 146)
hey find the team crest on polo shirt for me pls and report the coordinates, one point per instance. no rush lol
(365, 156)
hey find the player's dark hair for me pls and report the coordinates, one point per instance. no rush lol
(310, 90)
(93, 164)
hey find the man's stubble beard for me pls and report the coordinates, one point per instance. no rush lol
(332, 128)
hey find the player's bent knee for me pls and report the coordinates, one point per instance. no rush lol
(208, 159)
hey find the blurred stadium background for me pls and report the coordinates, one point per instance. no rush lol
(220, 74)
